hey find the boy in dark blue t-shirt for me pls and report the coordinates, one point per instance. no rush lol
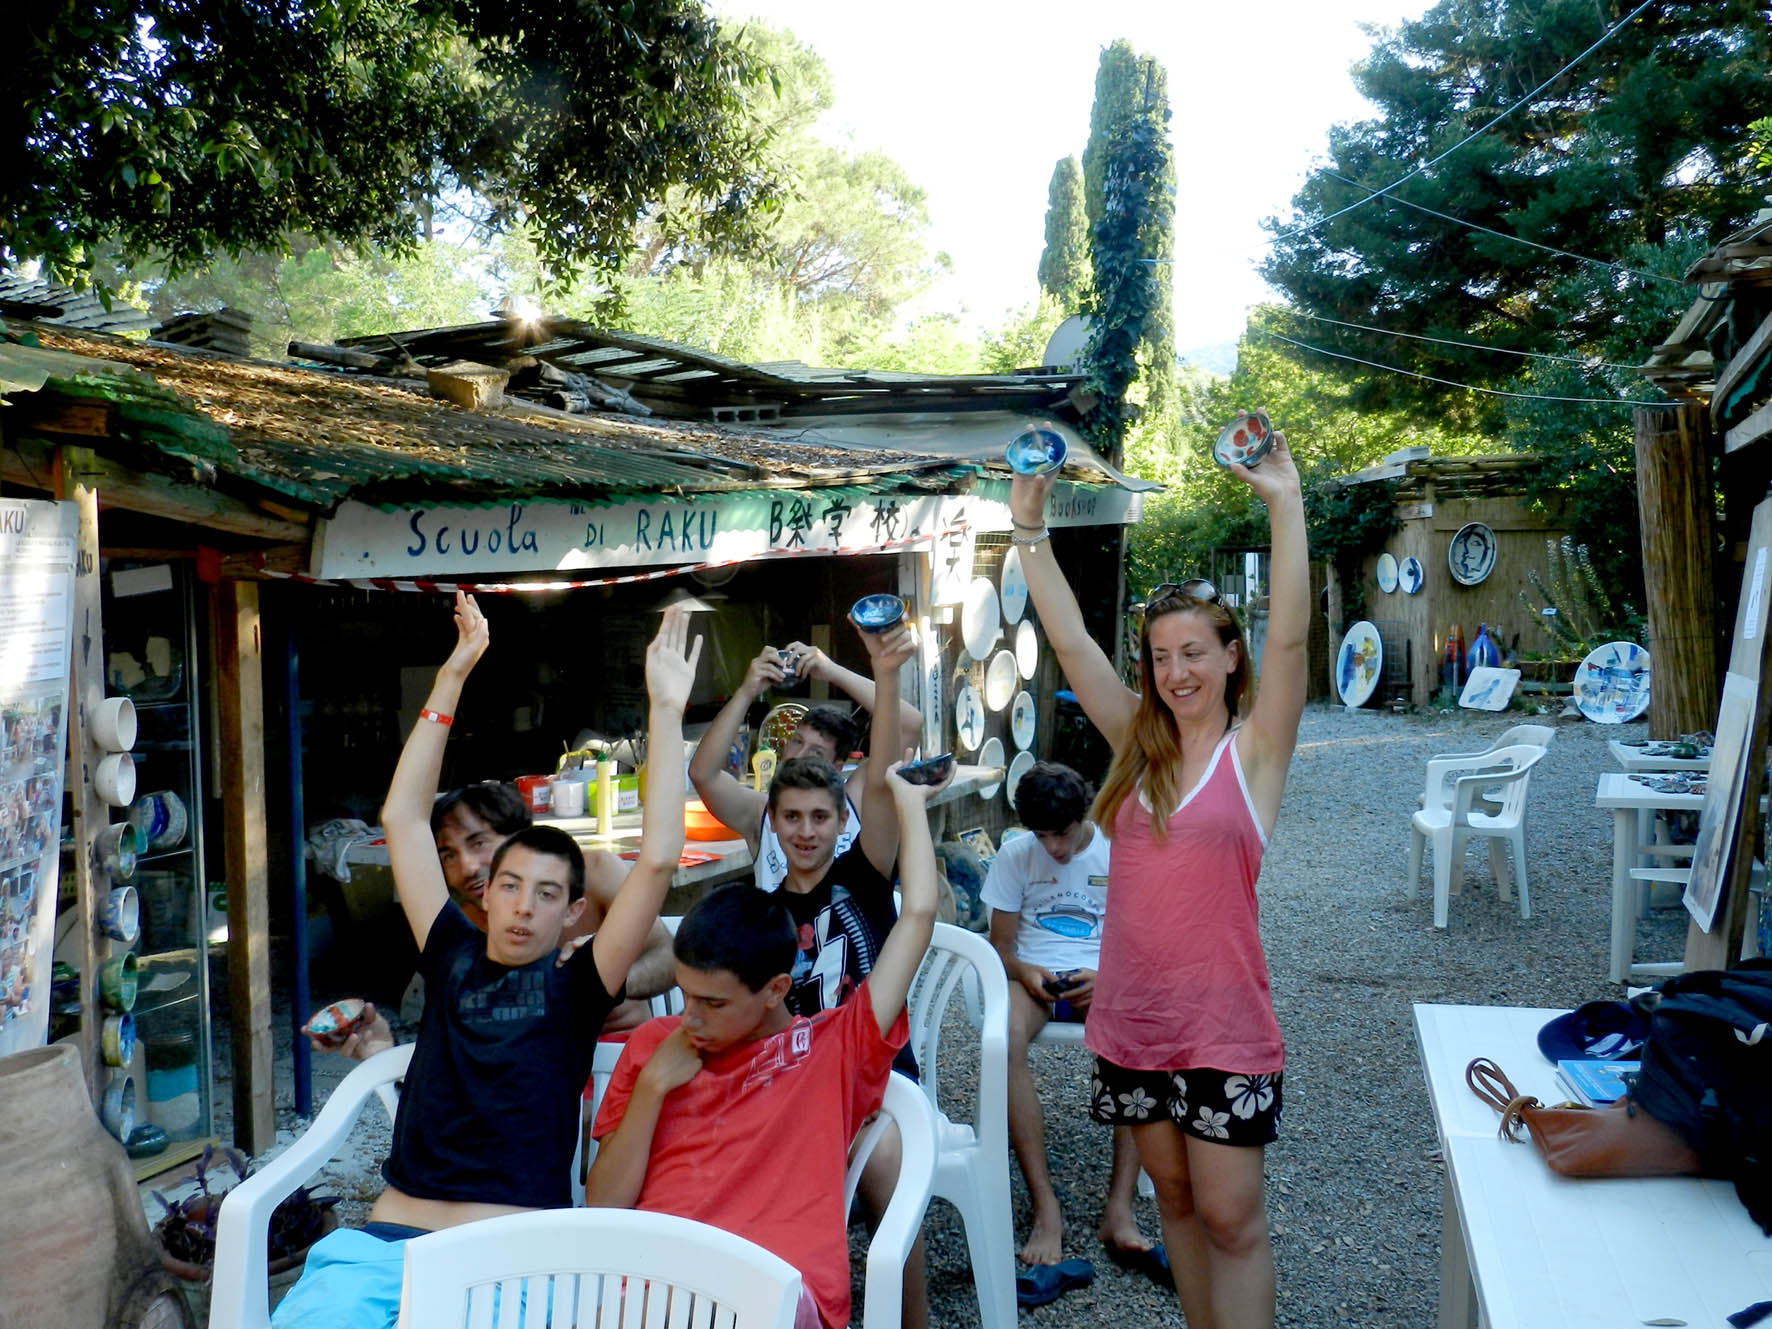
(487, 1122)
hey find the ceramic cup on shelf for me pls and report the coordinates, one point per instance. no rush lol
(117, 1110)
(121, 916)
(117, 978)
(117, 846)
(115, 779)
(113, 724)
(117, 1037)
(568, 797)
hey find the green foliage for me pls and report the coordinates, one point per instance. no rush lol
(179, 131)
(1346, 523)
(1576, 614)
(1020, 343)
(1064, 262)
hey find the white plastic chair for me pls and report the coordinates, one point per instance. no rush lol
(1536, 735)
(1449, 818)
(972, 1164)
(239, 1295)
(1063, 1031)
(907, 1108)
(613, 1268)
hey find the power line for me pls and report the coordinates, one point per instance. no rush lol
(1474, 134)
(1517, 239)
(1583, 361)
(1468, 387)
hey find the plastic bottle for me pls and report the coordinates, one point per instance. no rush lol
(605, 796)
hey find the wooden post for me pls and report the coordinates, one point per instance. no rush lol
(1675, 503)
(240, 694)
(73, 482)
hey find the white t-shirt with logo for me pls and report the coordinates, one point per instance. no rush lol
(1061, 906)
(771, 866)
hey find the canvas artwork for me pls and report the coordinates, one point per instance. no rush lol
(1722, 799)
(1612, 683)
(1489, 688)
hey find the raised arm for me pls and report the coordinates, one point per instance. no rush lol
(670, 674)
(889, 982)
(1109, 703)
(1271, 731)
(815, 664)
(406, 811)
(730, 801)
(887, 651)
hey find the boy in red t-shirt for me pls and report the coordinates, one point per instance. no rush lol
(738, 1113)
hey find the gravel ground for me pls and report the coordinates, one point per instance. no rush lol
(1354, 1180)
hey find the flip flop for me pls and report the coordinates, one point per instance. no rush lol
(1152, 1262)
(1048, 1282)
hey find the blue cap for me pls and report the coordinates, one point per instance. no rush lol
(1598, 1031)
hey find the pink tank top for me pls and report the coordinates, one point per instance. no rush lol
(1184, 982)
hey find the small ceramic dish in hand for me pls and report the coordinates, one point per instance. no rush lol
(1245, 440)
(877, 613)
(1036, 450)
(931, 770)
(337, 1022)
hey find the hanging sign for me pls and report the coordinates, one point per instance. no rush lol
(362, 540)
(37, 542)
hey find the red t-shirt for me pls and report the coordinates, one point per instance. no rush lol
(756, 1143)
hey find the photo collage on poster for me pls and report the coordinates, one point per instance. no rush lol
(30, 791)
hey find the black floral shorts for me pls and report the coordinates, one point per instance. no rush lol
(1220, 1106)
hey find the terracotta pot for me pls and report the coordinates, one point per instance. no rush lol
(78, 1254)
(193, 1280)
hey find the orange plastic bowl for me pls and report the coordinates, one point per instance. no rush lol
(700, 824)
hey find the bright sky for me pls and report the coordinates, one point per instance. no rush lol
(978, 99)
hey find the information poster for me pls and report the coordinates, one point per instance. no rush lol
(37, 543)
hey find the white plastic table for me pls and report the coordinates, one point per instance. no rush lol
(1527, 1249)
(1633, 805)
(1635, 759)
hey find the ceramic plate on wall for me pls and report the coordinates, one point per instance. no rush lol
(1027, 649)
(1357, 664)
(1411, 575)
(1471, 555)
(979, 621)
(991, 754)
(1612, 684)
(968, 717)
(1014, 584)
(999, 680)
(1023, 763)
(1022, 719)
(1387, 573)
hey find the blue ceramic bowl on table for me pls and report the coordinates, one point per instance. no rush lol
(877, 613)
(1036, 450)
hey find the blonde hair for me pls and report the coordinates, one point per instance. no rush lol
(1151, 753)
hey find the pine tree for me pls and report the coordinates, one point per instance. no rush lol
(1064, 263)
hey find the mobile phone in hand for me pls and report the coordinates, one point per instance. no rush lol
(931, 770)
(1059, 984)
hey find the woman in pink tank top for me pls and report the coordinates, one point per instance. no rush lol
(1188, 1053)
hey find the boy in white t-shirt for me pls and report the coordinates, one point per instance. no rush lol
(1047, 892)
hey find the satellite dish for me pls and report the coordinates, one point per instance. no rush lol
(715, 576)
(1065, 349)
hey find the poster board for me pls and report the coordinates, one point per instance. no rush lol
(37, 541)
(1735, 774)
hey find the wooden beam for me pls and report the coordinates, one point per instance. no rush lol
(1750, 430)
(240, 696)
(262, 563)
(90, 814)
(1674, 502)
(1739, 365)
(157, 495)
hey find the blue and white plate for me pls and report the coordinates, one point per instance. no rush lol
(1612, 684)
(1358, 663)
(1411, 576)
(1387, 573)
(1471, 555)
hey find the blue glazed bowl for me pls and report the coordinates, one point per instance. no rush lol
(1036, 450)
(877, 613)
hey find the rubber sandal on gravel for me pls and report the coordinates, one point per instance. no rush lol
(1048, 1282)
(1152, 1262)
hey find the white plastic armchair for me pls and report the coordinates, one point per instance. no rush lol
(972, 1163)
(1535, 735)
(613, 1268)
(240, 1289)
(907, 1108)
(1449, 817)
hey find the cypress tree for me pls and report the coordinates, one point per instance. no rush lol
(1064, 263)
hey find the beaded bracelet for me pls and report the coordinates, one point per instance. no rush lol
(1015, 537)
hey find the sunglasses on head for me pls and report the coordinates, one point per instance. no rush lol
(1195, 588)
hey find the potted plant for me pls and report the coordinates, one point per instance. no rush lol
(186, 1230)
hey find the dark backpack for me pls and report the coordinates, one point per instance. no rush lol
(1707, 1072)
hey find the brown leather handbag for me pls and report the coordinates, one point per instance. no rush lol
(1620, 1140)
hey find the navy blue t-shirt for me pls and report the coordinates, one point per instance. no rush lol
(489, 1112)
